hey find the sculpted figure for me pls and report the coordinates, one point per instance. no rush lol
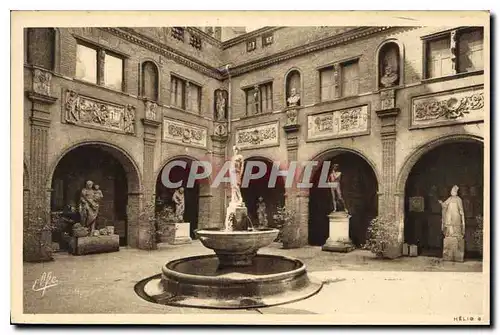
(178, 199)
(294, 98)
(453, 219)
(334, 181)
(221, 106)
(236, 173)
(390, 76)
(256, 100)
(89, 205)
(261, 212)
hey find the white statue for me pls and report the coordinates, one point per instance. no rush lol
(453, 220)
(294, 98)
(236, 173)
(178, 199)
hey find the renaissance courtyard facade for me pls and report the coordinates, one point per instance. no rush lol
(399, 109)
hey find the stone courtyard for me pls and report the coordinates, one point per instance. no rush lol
(353, 282)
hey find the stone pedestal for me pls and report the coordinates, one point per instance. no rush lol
(453, 249)
(338, 240)
(241, 214)
(178, 233)
(94, 244)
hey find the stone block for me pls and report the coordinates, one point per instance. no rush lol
(453, 249)
(94, 244)
(338, 240)
(178, 233)
(406, 249)
(413, 250)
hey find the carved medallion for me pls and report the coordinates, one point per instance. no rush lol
(220, 129)
(416, 204)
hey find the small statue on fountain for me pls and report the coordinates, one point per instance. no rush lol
(334, 182)
(178, 199)
(236, 173)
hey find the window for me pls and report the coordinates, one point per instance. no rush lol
(350, 78)
(98, 66)
(195, 42)
(178, 33)
(339, 80)
(259, 99)
(251, 45)
(456, 51)
(267, 39)
(185, 95)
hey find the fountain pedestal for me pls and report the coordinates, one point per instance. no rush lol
(338, 240)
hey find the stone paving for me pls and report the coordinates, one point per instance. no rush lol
(353, 283)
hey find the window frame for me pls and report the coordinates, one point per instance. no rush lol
(186, 83)
(250, 88)
(339, 65)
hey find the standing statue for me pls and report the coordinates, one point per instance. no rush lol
(89, 205)
(262, 212)
(236, 173)
(256, 99)
(334, 182)
(453, 220)
(390, 76)
(221, 106)
(294, 98)
(178, 199)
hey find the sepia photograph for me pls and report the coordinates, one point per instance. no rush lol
(250, 168)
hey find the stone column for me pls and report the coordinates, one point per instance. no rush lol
(147, 229)
(41, 103)
(296, 235)
(388, 114)
(212, 200)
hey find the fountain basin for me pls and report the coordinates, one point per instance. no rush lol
(236, 248)
(200, 282)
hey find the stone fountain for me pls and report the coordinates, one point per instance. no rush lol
(236, 276)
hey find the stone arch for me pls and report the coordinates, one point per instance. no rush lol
(407, 218)
(360, 186)
(115, 168)
(381, 49)
(291, 77)
(150, 80)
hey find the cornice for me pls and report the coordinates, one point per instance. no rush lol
(165, 50)
(246, 36)
(305, 49)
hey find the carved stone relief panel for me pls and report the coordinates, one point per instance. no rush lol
(41, 82)
(258, 136)
(220, 129)
(83, 110)
(151, 108)
(351, 121)
(449, 107)
(184, 133)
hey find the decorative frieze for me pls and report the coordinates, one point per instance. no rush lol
(458, 106)
(184, 133)
(82, 110)
(351, 121)
(41, 82)
(258, 136)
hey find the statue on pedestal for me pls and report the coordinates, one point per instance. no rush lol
(262, 212)
(90, 197)
(453, 220)
(236, 173)
(294, 98)
(256, 99)
(334, 182)
(178, 199)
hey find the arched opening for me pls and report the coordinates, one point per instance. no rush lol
(107, 167)
(149, 81)
(164, 193)
(292, 81)
(273, 197)
(359, 190)
(430, 180)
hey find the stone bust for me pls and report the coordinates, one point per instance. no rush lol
(390, 76)
(294, 98)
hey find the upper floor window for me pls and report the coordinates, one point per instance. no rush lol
(339, 80)
(185, 95)
(267, 39)
(98, 66)
(259, 99)
(453, 52)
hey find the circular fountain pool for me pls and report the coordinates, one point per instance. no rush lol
(202, 282)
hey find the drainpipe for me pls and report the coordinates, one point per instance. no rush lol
(229, 116)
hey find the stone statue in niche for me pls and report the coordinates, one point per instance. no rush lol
(90, 198)
(334, 182)
(220, 106)
(294, 98)
(389, 67)
(261, 212)
(178, 199)
(453, 227)
(256, 99)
